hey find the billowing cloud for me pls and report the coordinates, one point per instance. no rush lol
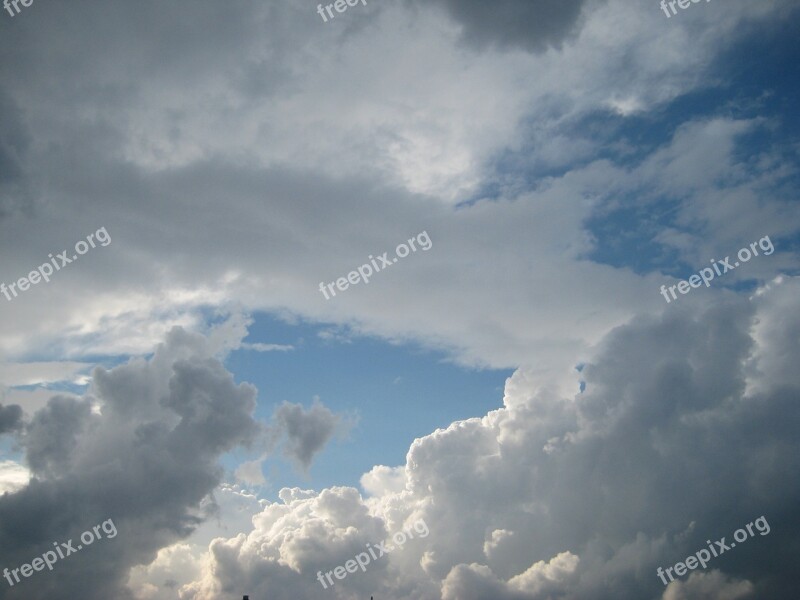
(477, 582)
(565, 497)
(709, 586)
(142, 447)
(148, 459)
(53, 435)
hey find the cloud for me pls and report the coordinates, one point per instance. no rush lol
(30, 400)
(477, 582)
(53, 435)
(260, 138)
(13, 476)
(577, 496)
(10, 418)
(306, 431)
(258, 347)
(15, 374)
(290, 540)
(709, 586)
(177, 561)
(529, 24)
(557, 493)
(148, 460)
(250, 472)
(382, 480)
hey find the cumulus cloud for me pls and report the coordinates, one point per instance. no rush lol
(53, 434)
(177, 562)
(477, 582)
(147, 460)
(709, 586)
(382, 480)
(142, 447)
(292, 539)
(580, 496)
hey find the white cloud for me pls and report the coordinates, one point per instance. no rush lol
(32, 373)
(258, 347)
(709, 586)
(435, 131)
(30, 400)
(382, 480)
(250, 472)
(173, 565)
(13, 476)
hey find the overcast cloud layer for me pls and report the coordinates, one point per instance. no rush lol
(566, 158)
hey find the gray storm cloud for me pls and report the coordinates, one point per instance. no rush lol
(529, 24)
(10, 417)
(142, 447)
(147, 460)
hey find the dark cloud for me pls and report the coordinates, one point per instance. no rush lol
(52, 435)
(666, 449)
(306, 431)
(529, 24)
(146, 459)
(10, 417)
(15, 193)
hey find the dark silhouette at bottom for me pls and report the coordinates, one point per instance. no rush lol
(248, 598)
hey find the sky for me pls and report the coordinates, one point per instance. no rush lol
(577, 379)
